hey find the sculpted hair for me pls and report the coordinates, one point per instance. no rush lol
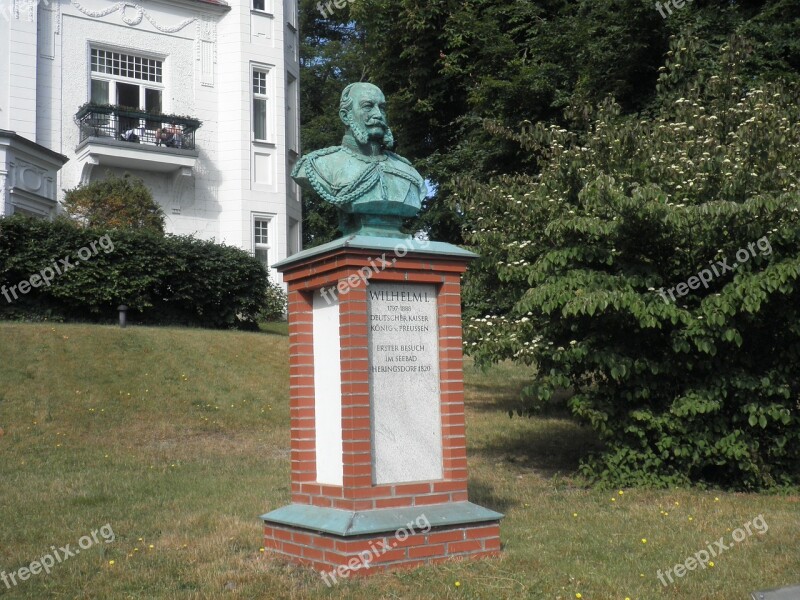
(346, 101)
(346, 105)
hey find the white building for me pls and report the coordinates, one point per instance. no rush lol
(231, 66)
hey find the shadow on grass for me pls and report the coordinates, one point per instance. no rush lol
(547, 443)
(275, 328)
(503, 392)
(484, 494)
(548, 448)
(495, 396)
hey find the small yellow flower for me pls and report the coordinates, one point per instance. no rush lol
(711, 564)
(457, 584)
(621, 493)
(151, 546)
(578, 595)
(677, 503)
(261, 550)
(691, 518)
(716, 499)
(574, 514)
(613, 499)
(644, 540)
(111, 562)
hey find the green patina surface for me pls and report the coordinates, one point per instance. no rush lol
(391, 246)
(373, 188)
(348, 523)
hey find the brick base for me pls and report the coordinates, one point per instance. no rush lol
(338, 557)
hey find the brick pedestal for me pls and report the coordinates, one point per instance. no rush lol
(338, 513)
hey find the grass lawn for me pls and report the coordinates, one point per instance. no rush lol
(178, 439)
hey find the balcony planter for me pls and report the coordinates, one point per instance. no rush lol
(135, 125)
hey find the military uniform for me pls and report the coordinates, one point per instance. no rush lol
(356, 183)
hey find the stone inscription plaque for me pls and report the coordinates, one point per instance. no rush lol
(404, 382)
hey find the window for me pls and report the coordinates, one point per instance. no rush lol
(260, 105)
(261, 239)
(292, 189)
(293, 243)
(290, 6)
(126, 65)
(291, 113)
(126, 79)
(262, 232)
(260, 5)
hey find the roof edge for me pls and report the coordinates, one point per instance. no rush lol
(23, 141)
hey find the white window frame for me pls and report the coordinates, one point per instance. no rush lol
(290, 8)
(292, 189)
(294, 238)
(267, 10)
(268, 97)
(293, 122)
(269, 247)
(112, 79)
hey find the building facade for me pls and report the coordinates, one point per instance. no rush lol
(199, 98)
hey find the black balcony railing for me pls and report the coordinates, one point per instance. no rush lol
(136, 126)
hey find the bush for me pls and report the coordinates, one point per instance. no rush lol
(115, 203)
(172, 279)
(275, 304)
(684, 380)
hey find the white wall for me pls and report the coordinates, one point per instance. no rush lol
(207, 56)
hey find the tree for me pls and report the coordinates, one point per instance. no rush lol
(449, 69)
(653, 267)
(332, 56)
(115, 203)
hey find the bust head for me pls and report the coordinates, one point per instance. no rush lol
(362, 109)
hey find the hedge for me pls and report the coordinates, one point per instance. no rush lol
(55, 270)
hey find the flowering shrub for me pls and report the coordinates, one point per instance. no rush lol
(701, 389)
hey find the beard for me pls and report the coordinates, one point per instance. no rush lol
(361, 133)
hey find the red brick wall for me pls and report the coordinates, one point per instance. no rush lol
(326, 552)
(358, 493)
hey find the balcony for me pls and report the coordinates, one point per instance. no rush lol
(125, 138)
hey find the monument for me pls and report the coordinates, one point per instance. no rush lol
(378, 446)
